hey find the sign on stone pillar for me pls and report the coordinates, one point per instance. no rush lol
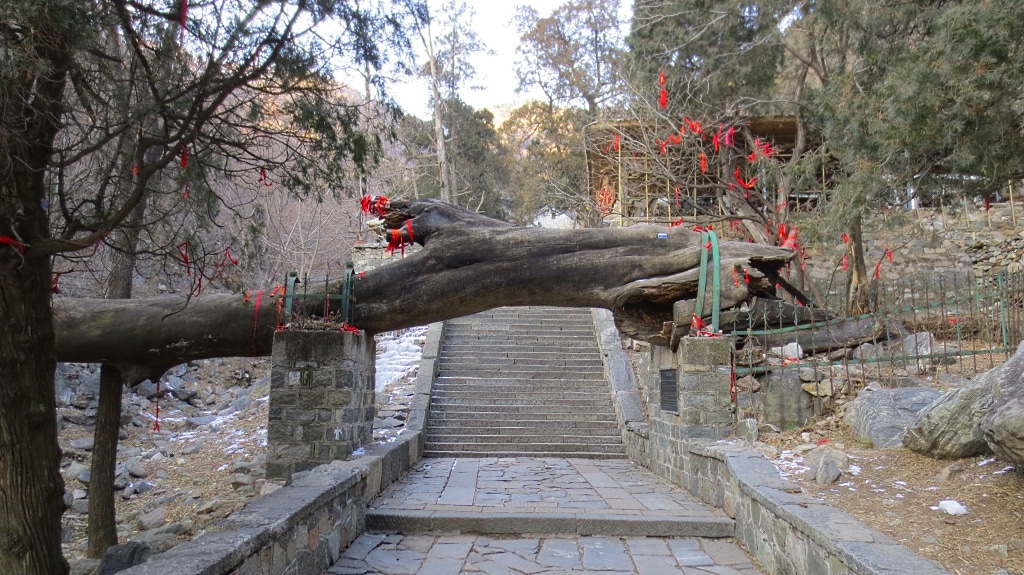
(705, 379)
(321, 399)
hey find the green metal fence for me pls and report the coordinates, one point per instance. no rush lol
(974, 324)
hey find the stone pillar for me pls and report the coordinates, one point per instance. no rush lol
(321, 399)
(705, 374)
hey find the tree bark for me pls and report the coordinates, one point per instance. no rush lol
(102, 526)
(469, 263)
(31, 488)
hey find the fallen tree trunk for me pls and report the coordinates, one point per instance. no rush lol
(469, 263)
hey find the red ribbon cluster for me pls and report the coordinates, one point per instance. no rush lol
(376, 205)
(396, 241)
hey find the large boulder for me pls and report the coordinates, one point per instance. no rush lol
(949, 428)
(883, 416)
(1003, 426)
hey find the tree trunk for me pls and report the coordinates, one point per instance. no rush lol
(469, 263)
(102, 526)
(31, 488)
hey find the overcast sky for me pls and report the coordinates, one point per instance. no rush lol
(493, 21)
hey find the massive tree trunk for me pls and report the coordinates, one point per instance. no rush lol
(468, 263)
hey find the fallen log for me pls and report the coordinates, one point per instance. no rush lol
(469, 263)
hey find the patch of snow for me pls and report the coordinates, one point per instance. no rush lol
(984, 462)
(854, 470)
(951, 507)
(1006, 469)
(398, 355)
(359, 452)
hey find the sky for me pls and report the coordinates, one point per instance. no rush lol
(493, 21)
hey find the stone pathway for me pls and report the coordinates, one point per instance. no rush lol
(519, 515)
(395, 553)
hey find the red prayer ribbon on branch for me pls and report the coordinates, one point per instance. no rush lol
(376, 205)
(703, 163)
(184, 157)
(9, 241)
(663, 99)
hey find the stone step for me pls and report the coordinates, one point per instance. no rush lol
(446, 382)
(536, 447)
(449, 362)
(487, 407)
(516, 371)
(521, 339)
(524, 439)
(551, 522)
(513, 453)
(505, 418)
(532, 395)
(515, 353)
(459, 425)
(483, 375)
(452, 348)
(566, 328)
(579, 400)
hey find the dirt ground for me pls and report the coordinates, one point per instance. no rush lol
(897, 492)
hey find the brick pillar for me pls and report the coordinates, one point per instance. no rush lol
(321, 399)
(705, 372)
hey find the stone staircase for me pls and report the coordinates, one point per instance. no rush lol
(522, 382)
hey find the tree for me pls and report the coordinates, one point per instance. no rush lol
(448, 69)
(546, 163)
(573, 56)
(133, 92)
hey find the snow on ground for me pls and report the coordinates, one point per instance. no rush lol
(398, 354)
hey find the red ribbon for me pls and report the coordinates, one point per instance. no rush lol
(53, 283)
(703, 164)
(663, 98)
(888, 253)
(846, 238)
(878, 270)
(183, 252)
(376, 205)
(5, 240)
(729, 135)
(846, 263)
(184, 151)
(661, 78)
(348, 328)
(264, 179)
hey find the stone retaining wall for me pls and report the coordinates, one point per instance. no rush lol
(301, 529)
(787, 531)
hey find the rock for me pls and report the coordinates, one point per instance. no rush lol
(192, 449)
(1003, 426)
(79, 494)
(240, 480)
(184, 393)
(810, 375)
(138, 469)
(948, 428)
(153, 519)
(144, 486)
(826, 464)
(883, 416)
(387, 423)
(819, 388)
(74, 470)
(748, 383)
(146, 389)
(949, 471)
(120, 557)
(242, 403)
(208, 507)
(83, 443)
(80, 506)
(785, 403)
(121, 482)
(195, 422)
(84, 476)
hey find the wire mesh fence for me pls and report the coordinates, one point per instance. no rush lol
(960, 325)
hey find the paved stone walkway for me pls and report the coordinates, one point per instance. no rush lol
(541, 516)
(394, 553)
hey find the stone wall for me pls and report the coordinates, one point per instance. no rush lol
(298, 529)
(321, 399)
(787, 531)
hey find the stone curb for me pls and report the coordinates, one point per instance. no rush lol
(506, 523)
(618, 369)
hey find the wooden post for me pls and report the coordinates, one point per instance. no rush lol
(622, 201)
(1013, 209)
